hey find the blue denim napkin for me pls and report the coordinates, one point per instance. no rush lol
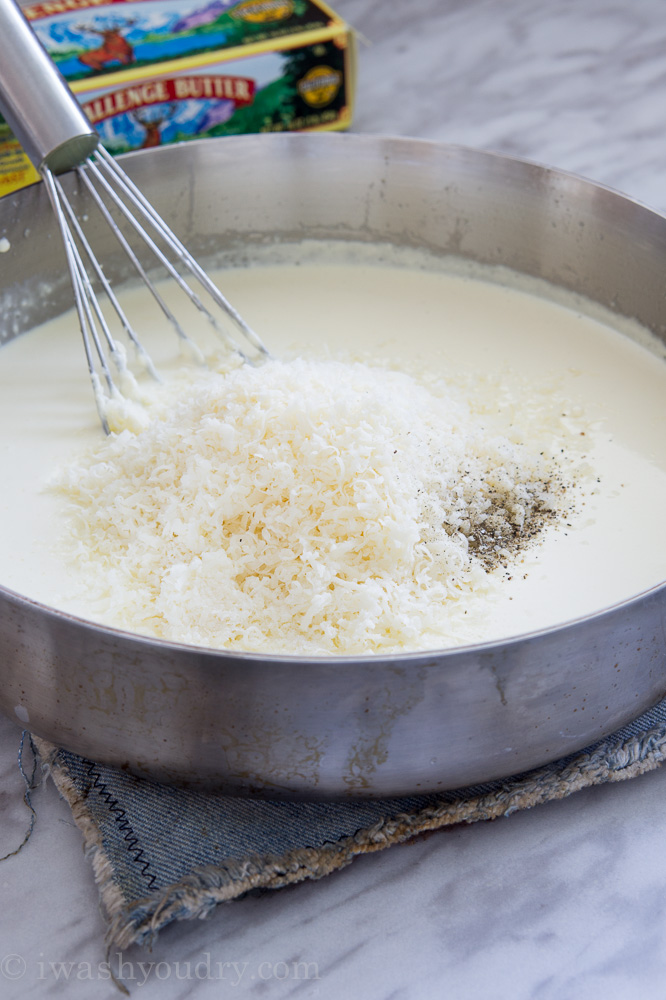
(162, 854)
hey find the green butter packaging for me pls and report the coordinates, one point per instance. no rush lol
(150, 72)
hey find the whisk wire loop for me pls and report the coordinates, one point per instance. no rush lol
(132, 257)
(116, 197)
(106, 285)
(182, 252)
(78, 278)
(104, 169)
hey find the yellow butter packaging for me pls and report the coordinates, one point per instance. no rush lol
(151, 72)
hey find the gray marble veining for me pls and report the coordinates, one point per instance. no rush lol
(567, 900)
(575, 85)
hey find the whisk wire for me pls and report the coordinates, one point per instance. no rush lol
(86, 322)
(149, 212)
(142, 354)
(111, 190)
(134, 260)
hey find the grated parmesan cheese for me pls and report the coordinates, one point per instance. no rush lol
(316, 507)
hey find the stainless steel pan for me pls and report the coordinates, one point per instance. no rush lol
(275, 726)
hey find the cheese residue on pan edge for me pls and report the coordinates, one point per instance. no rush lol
(306, 507)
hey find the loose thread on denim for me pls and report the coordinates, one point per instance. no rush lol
(29, 783)
(119, 814)
(118, 983)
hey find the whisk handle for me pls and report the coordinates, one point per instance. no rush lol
(35, 100)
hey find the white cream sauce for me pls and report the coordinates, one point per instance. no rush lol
(612, 548)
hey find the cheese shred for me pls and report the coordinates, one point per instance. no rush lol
(305, 507)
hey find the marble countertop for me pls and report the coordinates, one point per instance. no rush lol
(566, 900)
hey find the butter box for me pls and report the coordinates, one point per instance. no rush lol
(151, 72)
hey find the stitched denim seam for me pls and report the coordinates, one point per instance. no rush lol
(129, 835)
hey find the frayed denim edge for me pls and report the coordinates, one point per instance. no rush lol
(199, 893)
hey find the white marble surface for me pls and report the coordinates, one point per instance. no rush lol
(568, 900)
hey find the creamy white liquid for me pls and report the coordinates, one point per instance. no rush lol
(615, 544)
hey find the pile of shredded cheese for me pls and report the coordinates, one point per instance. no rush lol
(303, 507)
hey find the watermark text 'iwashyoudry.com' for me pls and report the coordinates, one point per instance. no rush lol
(137, 973)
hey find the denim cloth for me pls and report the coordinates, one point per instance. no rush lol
(162, 854)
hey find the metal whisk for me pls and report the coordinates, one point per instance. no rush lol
(54, 132)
